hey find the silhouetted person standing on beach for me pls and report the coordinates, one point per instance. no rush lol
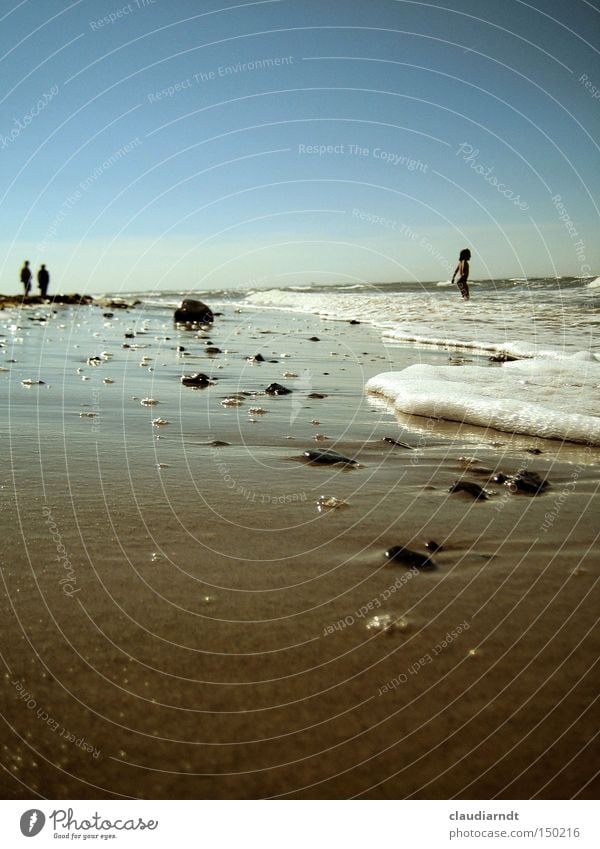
(43, 280)
(462, 269)
(26, 277)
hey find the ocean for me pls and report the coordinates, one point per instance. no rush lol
(548, 324)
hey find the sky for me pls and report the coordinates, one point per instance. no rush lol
(190, 144)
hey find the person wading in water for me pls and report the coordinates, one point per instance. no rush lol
(462, 269)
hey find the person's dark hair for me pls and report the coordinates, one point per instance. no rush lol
(465, 254)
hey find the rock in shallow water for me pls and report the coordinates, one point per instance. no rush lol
(410, 559)
(328, 457)
(193, 312)
(198, 380)
(528, 483)
(277, 389)
(478, 493)
(392, 441)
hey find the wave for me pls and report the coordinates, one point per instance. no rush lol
(534, 397)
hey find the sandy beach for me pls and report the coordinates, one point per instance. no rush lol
(181, 620)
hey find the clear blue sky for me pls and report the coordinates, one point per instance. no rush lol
(167, 144)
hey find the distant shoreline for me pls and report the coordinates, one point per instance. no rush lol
(74, 299)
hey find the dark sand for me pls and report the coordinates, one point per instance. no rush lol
(209, 639)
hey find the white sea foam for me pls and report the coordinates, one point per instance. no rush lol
(516, 320)
(552, 393)
(557, 400)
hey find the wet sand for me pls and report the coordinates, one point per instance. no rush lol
(180, 620)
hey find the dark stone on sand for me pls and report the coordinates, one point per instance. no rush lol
(193, 312)
(318, 395)
(130, 335)
(533, 451)
(353, 321)
(527, 483)
(470, 488)
(499, 477)
(432, 545)
(212, 349)
(196, 380)
(502, 357)
(108, 314)
(314, 339)
(180, 349)
(328, 457)
(392, 441)
(218, 443)
(277, 389)
(410, 559)
(257, 358)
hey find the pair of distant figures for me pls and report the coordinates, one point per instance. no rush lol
(43, 279)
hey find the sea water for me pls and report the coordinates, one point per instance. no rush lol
(550, 325)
